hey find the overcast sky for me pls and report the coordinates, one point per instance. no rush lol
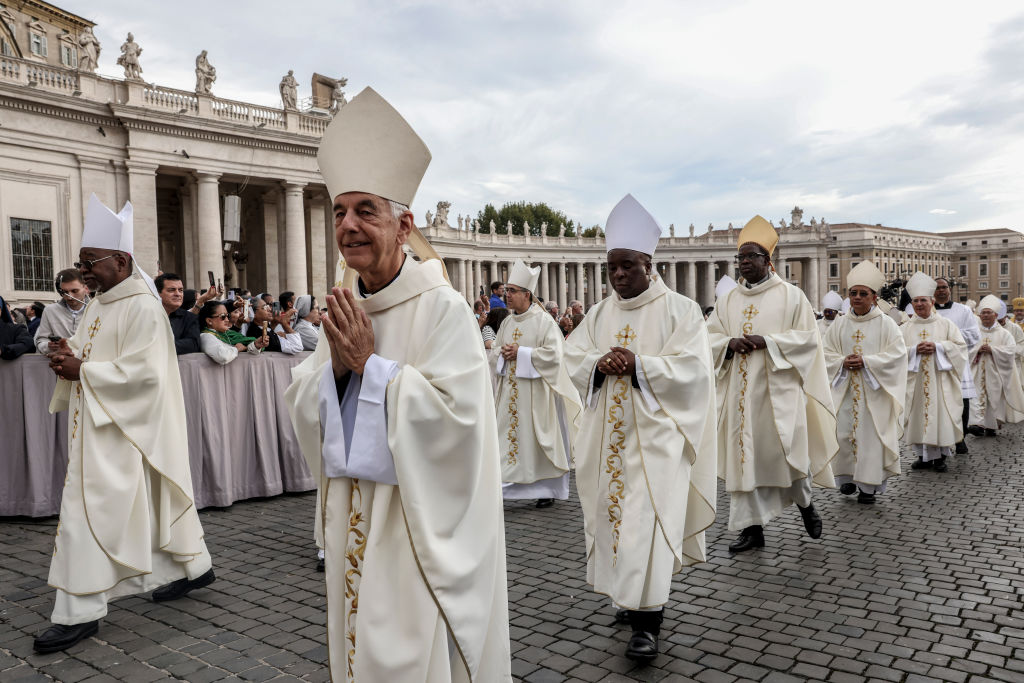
(909, 114)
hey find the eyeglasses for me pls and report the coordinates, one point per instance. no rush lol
(222, 316)
(513, 290)
(89, 264)
(740, 258)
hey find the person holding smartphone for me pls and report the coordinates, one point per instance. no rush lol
(274, 324)
(61, 319)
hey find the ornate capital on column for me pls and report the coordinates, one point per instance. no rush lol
(292, 187)
(206, 176)
(140, 167)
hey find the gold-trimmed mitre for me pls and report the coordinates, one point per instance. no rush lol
(760, 232)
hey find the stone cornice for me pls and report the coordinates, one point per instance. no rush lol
(98, 116)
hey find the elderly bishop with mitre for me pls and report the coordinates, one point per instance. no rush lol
(394, 411)
(867, 361)
(1000, 397)
(645, 455)
(536, 402)
(776, 426)
(128, 520)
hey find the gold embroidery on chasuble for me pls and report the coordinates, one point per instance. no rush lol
(513, 408)
(616, 444)
(750, 312)
(983, 394)
(355, 549)
(926, 378)
(855, 387)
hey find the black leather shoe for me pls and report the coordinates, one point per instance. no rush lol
(976, 430)
(865, 498)
(848, 489)
(750, 538)
(622, 616)
(182, 587)
(990, 432)
(642, 647)
(320, 564)
(545, 502)
(961, 448)
(812, 522)
(60, 637)
(940, 465)
(920, 464)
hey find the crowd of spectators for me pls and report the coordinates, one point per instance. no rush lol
(491, 311)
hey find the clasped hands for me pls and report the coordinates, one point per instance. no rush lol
(926, 348)
(853, 362)
(618, 361)
(63, 361)
(983, 349)
(349, 333)
(747, 343)
(510, 351)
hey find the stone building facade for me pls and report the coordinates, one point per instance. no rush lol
(178, 155)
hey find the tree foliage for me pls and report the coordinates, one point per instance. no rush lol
(521, 213)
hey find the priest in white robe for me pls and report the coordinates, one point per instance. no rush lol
(1000, 397)
(776, 425)
(537, 405)
(1018, 336)
(867, 363)
(645, 454)
(394, 411)
(128, 522)
(831, 305)
(936, 355)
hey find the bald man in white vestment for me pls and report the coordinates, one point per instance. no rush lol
(645, 454)
(394, 411)
(128, 521)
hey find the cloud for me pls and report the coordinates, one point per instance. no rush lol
(942, 212)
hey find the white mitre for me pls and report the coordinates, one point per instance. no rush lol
(831, 301)
(1001, 313)
(105, 229)
(524, 277)
(630, 226)
(991, 302)
(726, 284)
(920, 284)
(866, 274)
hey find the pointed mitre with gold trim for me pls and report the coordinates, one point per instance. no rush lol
(760, 232)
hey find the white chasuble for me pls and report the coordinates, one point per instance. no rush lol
(537, 407)
(1018, 338)
(934, 405)
(776, 424)
(128, 523)
(415, 571)
(645, 456)
(870, 401)
(1000, 397)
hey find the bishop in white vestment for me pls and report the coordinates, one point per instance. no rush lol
(936, 355)
(867, 363)
(1000, 397)
(776, 425)
(128, 522)
(1018, 337)
(394, 411)
(645, 454)
(537, 405)
(831, 305)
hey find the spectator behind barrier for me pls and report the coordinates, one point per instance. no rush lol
(14, 338)
(218, 340)
(184, 324)
(60, 319)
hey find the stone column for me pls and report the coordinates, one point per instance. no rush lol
(542, 281)
(495, 275)
(580, 283)
(208, 228)
(562, 286)
(812, 288)
(780, 265)
(272, 263)
(709, 283)
(142, 192)
(295, 240)
(605, 289)
(464, 285)
(189, 237)
(317, 246)
(96, 176)
(331, 254)
(478, 279)
(691, 280)
(671, 267)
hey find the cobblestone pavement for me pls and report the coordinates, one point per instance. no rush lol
(924, 586)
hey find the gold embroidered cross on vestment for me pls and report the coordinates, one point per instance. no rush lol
(926, 379)
(513, 408)
(625, 336)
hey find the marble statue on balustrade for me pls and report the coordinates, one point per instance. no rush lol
(493, 227)
(671, 229)
(205, 74)
(129, 59)
(476, 225)
(338, 95)
(508, 228)
(441, 219)
(526, 228)
(459, 221)
(782, 222)
(89, 50)
(561, 229)
(430, 219)
(290, 91)
(797, 215)
(691, 229)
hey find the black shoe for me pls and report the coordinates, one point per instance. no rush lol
(920, 464)
(621, 616)
(812, 522)
(545, 502)
(865, 498)
(961, 448)
(990, 432)
(60, 637)
(643, 644)
(319, 564)
(750, 538)
(940, 465)
(848, 489)
(182, 587)
(976, 430)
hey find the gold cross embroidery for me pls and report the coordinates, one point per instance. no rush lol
(858, 336)
(517, 335)
(625, 336)
(94, 328)
(924, 335)
(749, 312)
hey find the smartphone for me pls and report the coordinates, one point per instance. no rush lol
(213, 283)
(54, 338)
(276, 308)
(220, 287)
(231, 295)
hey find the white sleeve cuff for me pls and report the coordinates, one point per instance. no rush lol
(370, 457)
(913, 359)
(592, 395)
(332, 429)
(524, 363)
(840, 377)
(499, 367)
(776, 354)
(941, 360)
(645, 388)
(872, 382)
